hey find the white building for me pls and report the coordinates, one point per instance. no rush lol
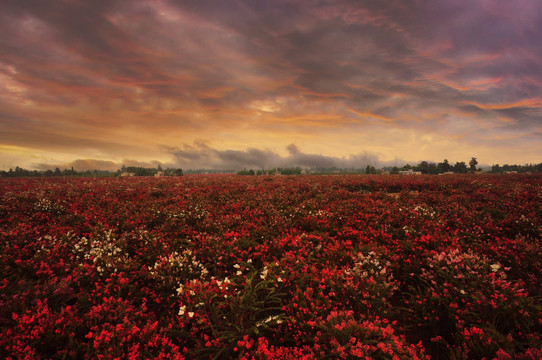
(410, 172)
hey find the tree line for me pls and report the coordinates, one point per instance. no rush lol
(124, 171)
(276, 171)
(445, 166)
(424, 167)
(461, 167)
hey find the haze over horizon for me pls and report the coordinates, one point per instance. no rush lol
(259, 84)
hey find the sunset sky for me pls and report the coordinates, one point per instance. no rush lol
(257, 84)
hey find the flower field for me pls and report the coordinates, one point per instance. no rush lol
(308, 267)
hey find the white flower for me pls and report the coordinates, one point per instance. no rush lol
(191, 314)
(495, 267)
(182, 310)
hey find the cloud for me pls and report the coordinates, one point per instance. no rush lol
(137, 163)
(81, 165)
(121, 77)
(96, 164)
(202, 155)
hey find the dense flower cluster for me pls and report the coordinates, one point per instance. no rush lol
(309, 267)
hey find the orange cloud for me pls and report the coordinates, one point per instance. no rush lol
(371, 115)
(531, 103)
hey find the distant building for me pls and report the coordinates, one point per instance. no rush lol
(410, 172)
(124, 173)
(159, 173)
(447, 173)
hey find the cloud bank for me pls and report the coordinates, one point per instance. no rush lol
(201, 155)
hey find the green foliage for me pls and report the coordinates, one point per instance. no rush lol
(472, 164)
(137, 171)
(516, 168)
(460, 167)
(229, 311)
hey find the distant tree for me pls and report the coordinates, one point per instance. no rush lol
(472, 164)
(370, 169)
(422, 167)
(496, 169)
(444, 166)
(432, 168)
(57, 172)
(460, 167)
(69, 172)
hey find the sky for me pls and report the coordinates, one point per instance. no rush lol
(258, 84)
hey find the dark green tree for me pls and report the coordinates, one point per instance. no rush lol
(370, 169)
(472, 164)
(422, 167)
(444, 166)
(460, 167)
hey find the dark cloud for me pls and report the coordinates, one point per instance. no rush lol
(202, 155)
(522, 117)
(82, 165)
(320, 47)
(96, 164)
(138, 163)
